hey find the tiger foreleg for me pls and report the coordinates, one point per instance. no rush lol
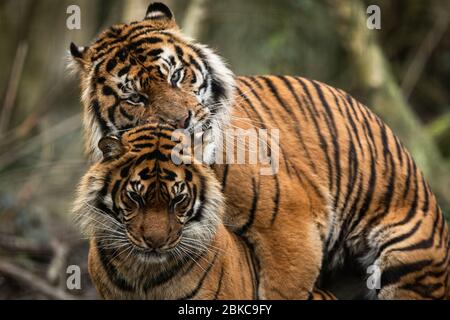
(289, 262)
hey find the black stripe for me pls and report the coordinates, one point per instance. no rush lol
(424, 290)
(124, 70)
(426, 201)
(111, 64)
(253, 80)
(413, 208)
(302, 176)
(145, 40)
(400, 238)
(114, 191)
(219, 286)
(166, 275)
(352, 171)
(250, 104)
(194, 292)
(393, 274)
(144, 137)
(126, 168)
(369, 193)
(348, 103)
(424, 244)
(255, 94)
(408, 177)
(251, 216)
(334, 138)
(288, 86)
(197, 216)
(144, 174)
(125, 114)
(276, 200)
(95, 107)
(225, 176)
(107, 46)
(155, 52)
(111, 272)
(297, 126)
(387, 197)
(442, 229)
(254, 265)
(322, 142)
(399, 150)
(276, 94)
(139, 146)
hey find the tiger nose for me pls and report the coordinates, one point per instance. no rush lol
(155, 241)
(184, 122)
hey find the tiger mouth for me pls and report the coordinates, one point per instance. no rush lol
(156, 252)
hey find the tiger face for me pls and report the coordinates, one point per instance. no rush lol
(142, 69)
(137, 198)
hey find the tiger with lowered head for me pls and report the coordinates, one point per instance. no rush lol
(155, 226)
(346, 190)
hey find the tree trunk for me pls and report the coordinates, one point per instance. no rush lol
(384, 94)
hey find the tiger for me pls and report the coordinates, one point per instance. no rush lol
(155, 225)
(346, 191)
(155, 228)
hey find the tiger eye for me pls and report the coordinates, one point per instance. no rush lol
(176, 76)
(135, 97)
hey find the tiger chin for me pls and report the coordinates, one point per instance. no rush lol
(156, 228)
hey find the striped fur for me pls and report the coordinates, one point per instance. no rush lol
(130, 198)
(347, 190)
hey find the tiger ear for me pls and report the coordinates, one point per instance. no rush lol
(78, 56)
(160, 14)
(111, 147)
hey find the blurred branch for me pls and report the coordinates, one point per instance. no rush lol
(134, 10)
(32, 118)
(439, 129)
(194, 17)
(13, 85)
(57, 131)
(21, 45)
(17, 244)
(418, 62)
(385, 97)
(34, 281)
(56, 270)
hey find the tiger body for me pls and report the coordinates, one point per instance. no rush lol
(346, 190)
(346, 175)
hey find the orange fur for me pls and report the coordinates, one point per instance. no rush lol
(347, 191)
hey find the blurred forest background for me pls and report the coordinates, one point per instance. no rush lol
(401, 71)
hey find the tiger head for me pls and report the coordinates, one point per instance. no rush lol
(146, 196)
(146, 68)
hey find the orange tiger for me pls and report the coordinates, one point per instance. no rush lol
(155, 227)
(344, 177)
